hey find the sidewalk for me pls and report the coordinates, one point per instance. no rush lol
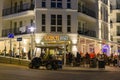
(106, 69)
(70, 68)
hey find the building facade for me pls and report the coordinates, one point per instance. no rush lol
(60, 26)
(115, 6)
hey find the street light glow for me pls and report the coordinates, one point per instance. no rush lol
(32, 29)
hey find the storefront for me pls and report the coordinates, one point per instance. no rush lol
(90, 44)
(10, 47)
(55, 45)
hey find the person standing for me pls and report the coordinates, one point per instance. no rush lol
(78, 58)
(87, 59)
(70, 58)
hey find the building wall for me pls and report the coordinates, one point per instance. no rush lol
(103, 20)
(48, 4)
(48, 11)
(97, 24)
(1, 17)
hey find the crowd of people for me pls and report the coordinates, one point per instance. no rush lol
(92, 59)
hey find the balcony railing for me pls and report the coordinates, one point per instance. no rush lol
(114, 7)
(118, 21)
(86, 11)
(13, 10)
(118, 6)
(16, 31)
(118, 33)
(87, 32)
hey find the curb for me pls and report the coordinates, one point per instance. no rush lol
(71, 69)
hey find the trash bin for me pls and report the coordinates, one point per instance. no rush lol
(93, 63)
(101, 64)
(101, 61)
(59, 64)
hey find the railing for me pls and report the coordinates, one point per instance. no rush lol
(118, 6)
(118, 20)
(87, 33)
(114, 7)
(105, 2)
(16, 31)
(13, 10)
(86, 11)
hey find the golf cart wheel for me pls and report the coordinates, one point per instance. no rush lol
(48, 66)
(55, 67)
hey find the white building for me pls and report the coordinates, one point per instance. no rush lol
(115, 22)
(57, 24)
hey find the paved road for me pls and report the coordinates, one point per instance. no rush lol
(22, 73)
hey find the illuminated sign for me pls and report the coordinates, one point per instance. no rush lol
(55, 38)
(106, 49)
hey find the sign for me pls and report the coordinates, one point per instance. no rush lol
(10, 35)
(19, 39)
(55, 38)
(106, 49)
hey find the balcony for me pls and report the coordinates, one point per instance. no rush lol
(118, 6)
(18, 9)
(87, 32)
(16, 31)
(86, 11)
(118, 33)
(118, 21)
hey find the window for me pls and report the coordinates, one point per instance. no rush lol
(104, 32)
(15, 24)
(53, 19)
(43, 3)
(43, 22)
(15, 27)
(53, 28)
(68, 4)
(104, 14)
(56, 23)
(56, 3)
(43, 19)
(59, 19)
(59, 28)
(118, 4)
(105, 1)
(81, 27)
(68, 20)
(31, 22)
(43, 28)
(118, 17)
(21, 24)
(68, 29)
(118, 30)
(68, 23)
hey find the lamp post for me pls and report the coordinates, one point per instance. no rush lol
(65, 38)
(32, 29)
(64, 53)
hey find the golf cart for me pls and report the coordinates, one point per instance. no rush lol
(48, 62)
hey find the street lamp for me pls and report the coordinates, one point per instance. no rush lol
(32, 29)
